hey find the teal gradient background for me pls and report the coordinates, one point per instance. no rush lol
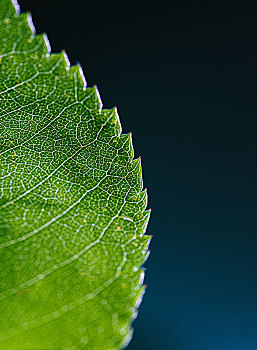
(182, 77)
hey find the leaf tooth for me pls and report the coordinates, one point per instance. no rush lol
(90, 98)
(140, 287)
(131, 140)
(136, 164)
(82, 77)
(16, 6)
(142, 221)
(126, 140)
(114, 120)
(76, 70)
(44, 49)
(30, 23)
(117, 118)
(137, 299)
(144, 196)
(140, 200)
(47, 44)
(112, 125)
(128, 336)
(137, 171)
(98, 97)
(143, 243)
(130, 144)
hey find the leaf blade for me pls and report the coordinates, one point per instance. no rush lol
(72, 210)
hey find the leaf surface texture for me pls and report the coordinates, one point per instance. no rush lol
(72, 208)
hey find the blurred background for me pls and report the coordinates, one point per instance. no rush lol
(182, 77)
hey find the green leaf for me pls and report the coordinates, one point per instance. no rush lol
(72, 209)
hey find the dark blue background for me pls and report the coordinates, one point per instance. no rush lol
(182, 77)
